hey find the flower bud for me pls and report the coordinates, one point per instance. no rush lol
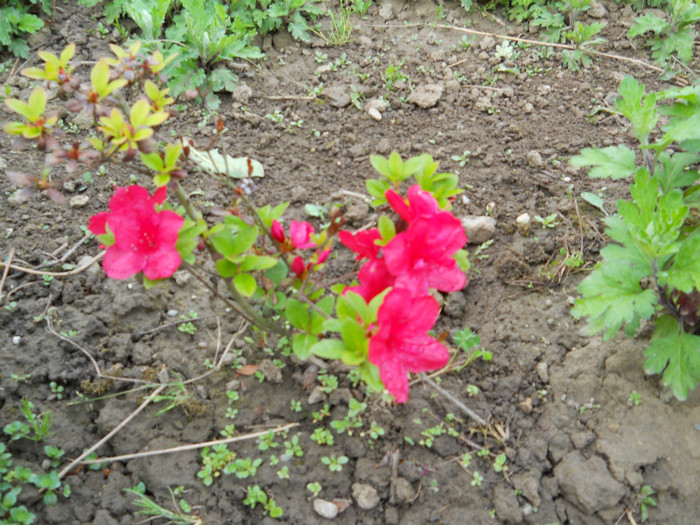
(277, 232)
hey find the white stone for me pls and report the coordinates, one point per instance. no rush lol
(523, 219)
(365, 496)
(325, 509)
(78, 201)
(374, 113)
(479, 229)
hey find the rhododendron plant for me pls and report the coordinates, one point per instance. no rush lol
(401, 343)
(138, 237)
(274, 277)
(412, 262)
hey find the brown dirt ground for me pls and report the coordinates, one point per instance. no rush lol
(577, 452)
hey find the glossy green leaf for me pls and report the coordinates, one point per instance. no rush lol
(245, 284)
(297, 314)
(676, 354)
(328, 349)
(302, 344)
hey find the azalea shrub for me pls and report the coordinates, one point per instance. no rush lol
(274, 270)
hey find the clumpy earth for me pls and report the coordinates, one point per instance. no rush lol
(582, 428)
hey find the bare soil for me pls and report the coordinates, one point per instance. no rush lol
(577, 451)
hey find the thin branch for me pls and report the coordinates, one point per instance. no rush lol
(55, 274)
(288, 97)
(476, 417)
(65, 256)
(8, 263)
(109, 436)
(93, 361)
(193, 446)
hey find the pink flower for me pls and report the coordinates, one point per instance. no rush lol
(300, 232)
(424, 253)
(298, 266)
(421, 203)
(374, 278)
(277, 232)
(323, 255)
(402, 344)
(144, 239)
(362, 242)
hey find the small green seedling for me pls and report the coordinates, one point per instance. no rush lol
(314, 487)
(334, 464)
(550, 221)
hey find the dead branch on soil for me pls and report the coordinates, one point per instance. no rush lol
(464, 408)
(65, 256)
(54, 274)
(636, 61)
(109, 436)
(193, 446)
(8, 263)
(288, 97)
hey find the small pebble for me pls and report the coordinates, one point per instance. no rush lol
(325, 509)
(78, 201)
(374, 113)
(365, 496)
(16, 339)
(172, 313)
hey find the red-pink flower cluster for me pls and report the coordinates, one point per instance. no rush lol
(299, 238)
(414, 261)
(144, 239)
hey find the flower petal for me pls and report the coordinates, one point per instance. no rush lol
(395, 379)
(160, 195)
(362, 242)
(121, 264)
(98, 223)
(398, 204)
(300, 232)
(162, 264)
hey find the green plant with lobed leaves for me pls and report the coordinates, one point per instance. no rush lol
(205, 36)
(652, 270)
(19, 18)
(673, 35)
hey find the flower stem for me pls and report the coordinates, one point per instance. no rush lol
(247, 310)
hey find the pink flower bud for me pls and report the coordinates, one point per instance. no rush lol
(277, 232)
(298, 266)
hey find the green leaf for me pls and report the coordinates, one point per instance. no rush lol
(377, 188)
(594, 200)
(386, 228)
(684, 274)
(297, 314)
(328, 349)
(673, 172)
(676, 354)
(615, 162)
(612, 295)
(639, 110)
(223, 79)
(353, 336)
(375, 304)
(245, 284)
(358, 305)
(226, 268)
(150, 283)
(370, 375)
(302, 344)
(278, 272)
(244, 239)
(646, 23)
(257, 262)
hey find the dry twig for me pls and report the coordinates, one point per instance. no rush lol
(193, 446)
